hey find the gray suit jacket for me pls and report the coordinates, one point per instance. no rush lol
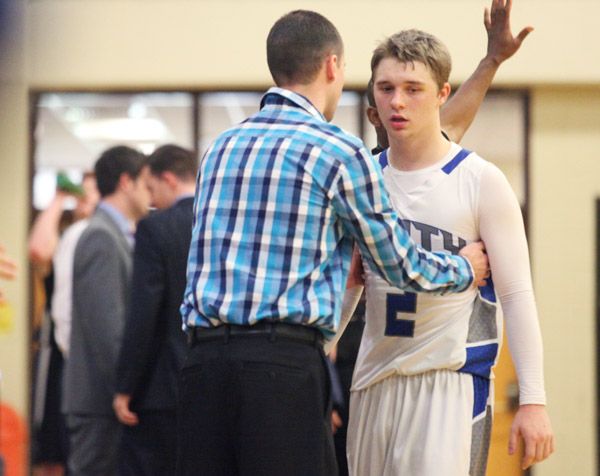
(101, 281)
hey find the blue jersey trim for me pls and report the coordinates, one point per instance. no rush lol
(480, 360)
(383, 159)
(458, 158)
(481, 392)
(488, 292)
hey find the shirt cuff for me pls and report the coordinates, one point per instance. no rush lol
(466, 270)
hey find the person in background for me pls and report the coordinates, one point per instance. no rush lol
(153, 345)
(51, 252)
(101, 288)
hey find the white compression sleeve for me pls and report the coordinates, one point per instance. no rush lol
(351, 299)
(502, 230)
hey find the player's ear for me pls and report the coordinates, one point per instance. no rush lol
(373, 116)
(444, 93)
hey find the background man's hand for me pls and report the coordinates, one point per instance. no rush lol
(475, 253)
(121, 408)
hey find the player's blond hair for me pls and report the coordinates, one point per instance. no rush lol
(409, 46)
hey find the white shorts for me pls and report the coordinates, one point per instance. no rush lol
(432, 424)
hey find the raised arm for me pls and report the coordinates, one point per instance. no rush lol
(459, 112)
(43, 238)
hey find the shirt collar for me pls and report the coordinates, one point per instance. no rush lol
(279, 96)
(183, 196)
(121, 221)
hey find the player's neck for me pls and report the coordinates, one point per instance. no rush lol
(417, 152)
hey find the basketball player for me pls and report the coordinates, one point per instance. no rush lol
(422, 395)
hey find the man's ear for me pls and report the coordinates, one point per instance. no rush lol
(125, 182)
(373, 116)
(169, 177)
(444, 93)
(331, 66)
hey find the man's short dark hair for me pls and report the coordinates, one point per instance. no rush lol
(115, 162)
(174, 159)
(297, 45)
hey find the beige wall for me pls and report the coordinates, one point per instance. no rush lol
(106, 44)
(565, 183)
(75, 43)
(14, 193)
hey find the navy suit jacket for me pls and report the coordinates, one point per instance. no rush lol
(154, 345)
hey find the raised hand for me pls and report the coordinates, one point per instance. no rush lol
(501, 42)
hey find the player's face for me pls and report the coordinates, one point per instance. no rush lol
(408, 99)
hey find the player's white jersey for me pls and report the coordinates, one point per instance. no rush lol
(408, 333)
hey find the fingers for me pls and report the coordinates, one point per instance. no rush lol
(336, 421)
(528, 458)
(523, 34)
(549, 447)
(8, 268)
(478, 245)
(127, 417)
(537, 448)
(487, 19)
(124, 415)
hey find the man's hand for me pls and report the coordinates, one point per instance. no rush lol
(533, 425)
(336, 421)
(8, 268)
(121, 408)
(475, 253)
(501, 42)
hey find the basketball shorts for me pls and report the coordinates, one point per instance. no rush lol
(432, 424)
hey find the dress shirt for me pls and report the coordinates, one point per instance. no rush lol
(122, 222)
(280, 199)
(62, 297)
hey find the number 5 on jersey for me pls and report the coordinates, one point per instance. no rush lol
(400, 303)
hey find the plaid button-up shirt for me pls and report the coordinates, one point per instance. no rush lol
(280, 199)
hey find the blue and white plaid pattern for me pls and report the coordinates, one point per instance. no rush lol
(280, 199)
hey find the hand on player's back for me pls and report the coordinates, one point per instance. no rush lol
(475, 253)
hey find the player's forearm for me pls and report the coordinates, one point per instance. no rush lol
(525, 344)
(460, 110)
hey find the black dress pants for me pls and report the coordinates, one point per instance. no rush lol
(149, 448)
(255, 405)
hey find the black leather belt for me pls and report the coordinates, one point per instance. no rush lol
(269, 329)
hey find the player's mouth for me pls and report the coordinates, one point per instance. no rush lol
(398, 122)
